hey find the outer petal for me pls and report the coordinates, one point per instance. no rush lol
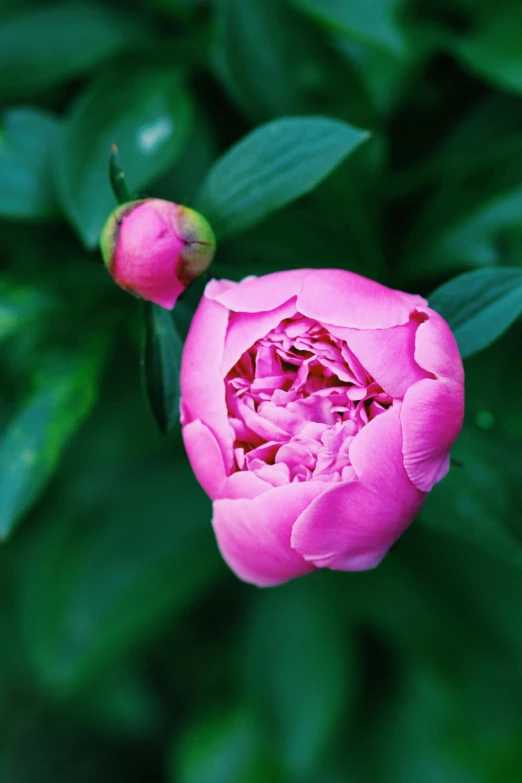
(254, 535)
(215, 287)
(376, 457)
(351, 526)
(245, 328)
(207, 463)
(254, 295)
(148, 253)
(387, 354)
(341, 298)
(436, 348)
(202, 386)
(431, 417)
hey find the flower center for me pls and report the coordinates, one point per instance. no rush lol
(296, 399)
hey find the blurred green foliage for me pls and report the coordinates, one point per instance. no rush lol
(128, 652)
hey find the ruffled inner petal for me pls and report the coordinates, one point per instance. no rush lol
(297, 398)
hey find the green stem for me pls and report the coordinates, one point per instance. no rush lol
(117, 177)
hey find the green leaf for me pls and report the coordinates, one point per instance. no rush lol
(479, 306)
(117, 557)
(478, 499)
(370, 22)
(221, 748)
(487, 135)
(51, 747)
(464, 223)
(21, 305)
(83, 34)
(120, 702)
(382, 72)
(475, 502)
(484, 138)
(345, 205)
(146, 113)
(272, 166)
(31, 446)
(27, 137)
(181, 182)
(161, 361)
(492, 48)
(274, 61)
(300, 666)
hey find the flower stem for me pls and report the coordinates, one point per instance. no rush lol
(117, 177)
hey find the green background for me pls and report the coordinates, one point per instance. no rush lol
(128, 651)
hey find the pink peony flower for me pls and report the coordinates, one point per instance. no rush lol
(318, 409)
(154, 249)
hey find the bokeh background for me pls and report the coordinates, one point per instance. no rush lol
(128, 651)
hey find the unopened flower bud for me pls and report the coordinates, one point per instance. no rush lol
(154, 249)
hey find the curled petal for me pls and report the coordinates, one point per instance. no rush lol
(254, 534)
(341, 298)
(207, 463)
(351, 526)
(245, 328)
(257, 294)
(215, 287)
(202, 387)
(387, 354)
(431, 418)
(376, 456)
(436, 348)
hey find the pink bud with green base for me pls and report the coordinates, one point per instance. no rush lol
(155, 249)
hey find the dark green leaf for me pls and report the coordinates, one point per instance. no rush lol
(381, 70)
(161, 360)
(476, 501)
(120, 702)
(479, 306)
(492, 48)
(464, 223)
(145, 112)
(108, 574)
(181, 182)
(272, 166)
(21, 306)
(31, 446)
(221, 748)
(297, 72)
(300, 669)
(27, 137)
(48, 748)
(57, 42)
(370, 22)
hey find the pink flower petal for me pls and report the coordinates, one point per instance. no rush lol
(207, 463)
(351, 526)
(431, 418)
(216, 287)
(376, 456)
(254, 535)
(262, 293)
(206, 457)
(335, 296)
(202, 387)
(387, 354)
(245, 328)
(148, 252)
(436, 348)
